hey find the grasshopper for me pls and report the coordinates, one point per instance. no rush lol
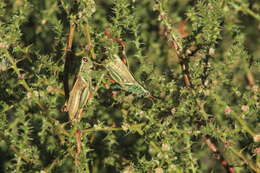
(121, 74)
(81, 92)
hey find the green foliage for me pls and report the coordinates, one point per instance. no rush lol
(199, 60)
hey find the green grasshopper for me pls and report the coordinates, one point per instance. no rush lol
(81, 92)
(121, 74)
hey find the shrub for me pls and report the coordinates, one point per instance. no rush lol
(197, 59)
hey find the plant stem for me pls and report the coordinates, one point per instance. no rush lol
(89, 42)
(68, 59)
(132, 127)
(242, 157)
(220, 157)
(17, 71)
(245, 10)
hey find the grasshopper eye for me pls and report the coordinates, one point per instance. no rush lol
(85, 59)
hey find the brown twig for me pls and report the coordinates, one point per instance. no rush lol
(67, 54)
(242, 156)
(107, 32)
(180, 54)
(78, 141)
(51, 89)
(70, 38)
(250, 79)
(186, 75)
(175, 42)
(214, 149)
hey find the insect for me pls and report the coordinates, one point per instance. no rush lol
(121, 74)
(81, 92)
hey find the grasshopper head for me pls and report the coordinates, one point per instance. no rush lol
(86, 65)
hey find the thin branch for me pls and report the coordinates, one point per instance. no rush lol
(229, 168)
(250, 79)
(51, 89)
(15, 150)
(89, 41)
(244, 9)
(96, 129)
(242, 157)
(175, 42)
(17, 71)
(70, 38)
(68, 59)
(107, 32)
(79, 147)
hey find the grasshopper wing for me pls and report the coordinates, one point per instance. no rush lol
(121, 74)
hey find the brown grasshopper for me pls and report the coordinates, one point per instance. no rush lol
(81, 92)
